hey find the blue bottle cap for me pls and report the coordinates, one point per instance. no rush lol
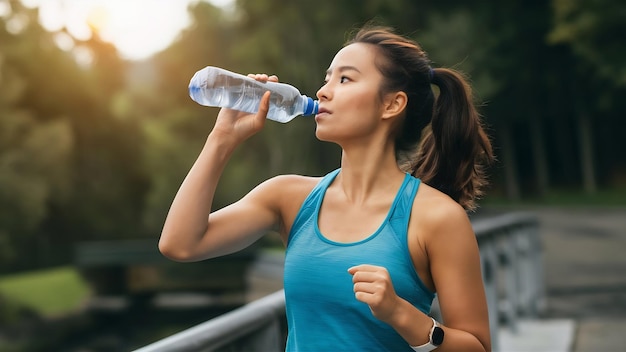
(311, 106)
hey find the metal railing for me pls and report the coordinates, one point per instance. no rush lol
(512, 265)
(511, 259)
(257, 326)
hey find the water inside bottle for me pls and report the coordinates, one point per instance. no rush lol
(242, 94)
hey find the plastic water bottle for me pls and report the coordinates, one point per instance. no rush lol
(213, 86)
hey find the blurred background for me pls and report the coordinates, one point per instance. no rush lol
(97, 129)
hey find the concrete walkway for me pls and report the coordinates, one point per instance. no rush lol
(585, 273)
(585, 277)
(539, 335)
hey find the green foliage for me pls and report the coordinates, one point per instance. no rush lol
(97, 149)
(47, 292)
(173, 126)
(173, 141)
(34, 154)
(594, 30)
(34, 161)
(69, 168)
(464, 37)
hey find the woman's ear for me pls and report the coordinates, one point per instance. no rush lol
(394, 104)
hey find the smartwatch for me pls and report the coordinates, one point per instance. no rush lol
(435, 339)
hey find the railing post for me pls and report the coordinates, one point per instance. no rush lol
(489, 266)
(508, 295)
(538, 300)
(524, 272)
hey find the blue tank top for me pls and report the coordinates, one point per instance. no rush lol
(322, 312)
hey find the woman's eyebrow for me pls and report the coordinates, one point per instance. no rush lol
(343, 69)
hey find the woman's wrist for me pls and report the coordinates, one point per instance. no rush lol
(221, 142)
(411, 323)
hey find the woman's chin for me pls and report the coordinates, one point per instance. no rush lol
(323, 135)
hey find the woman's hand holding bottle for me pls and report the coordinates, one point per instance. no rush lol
(238, 126)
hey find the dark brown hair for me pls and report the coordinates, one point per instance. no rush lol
(441, 139)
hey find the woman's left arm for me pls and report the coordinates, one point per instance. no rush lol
(449, 242)
(454, 261)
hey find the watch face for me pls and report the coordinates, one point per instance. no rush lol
(437, 336)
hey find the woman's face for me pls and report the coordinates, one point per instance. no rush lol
(350, 104)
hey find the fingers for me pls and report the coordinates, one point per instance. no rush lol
(364, 269)
(262, 77)
(372, 285)
(369, 278)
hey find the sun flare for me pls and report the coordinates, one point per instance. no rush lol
(98, 18)
(138, 28)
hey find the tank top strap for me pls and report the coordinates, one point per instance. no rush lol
(311, 203)
(327, 180)
(401, 213)
(318, 191)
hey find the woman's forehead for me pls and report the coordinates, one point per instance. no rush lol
(358, 55)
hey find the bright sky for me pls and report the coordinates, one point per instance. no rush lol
(138, 28)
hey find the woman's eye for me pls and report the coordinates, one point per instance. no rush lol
(342, 79)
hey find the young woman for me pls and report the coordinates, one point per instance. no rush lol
(369, 244)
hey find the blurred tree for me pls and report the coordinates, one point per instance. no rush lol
(174, 127)
(35, 150)
(34, 161)
(591, 29)
(462, 38)
(69, 170)
(519, 76)
(511, 60)
(108, 178)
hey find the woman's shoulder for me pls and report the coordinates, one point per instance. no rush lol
(287, 193)
(293, 181)
(288, 187)
(436, 212)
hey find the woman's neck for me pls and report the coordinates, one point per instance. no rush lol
(369, 171)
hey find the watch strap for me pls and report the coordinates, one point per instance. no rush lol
(428, 346)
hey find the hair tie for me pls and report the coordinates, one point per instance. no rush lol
(431, 73)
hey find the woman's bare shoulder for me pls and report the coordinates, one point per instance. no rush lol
(286, 188)
(436, 212)
(292, 183)
(286, 194)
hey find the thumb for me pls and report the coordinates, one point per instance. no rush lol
(258, 121)
(264, 106)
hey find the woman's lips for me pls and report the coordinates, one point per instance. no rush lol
(321, 111)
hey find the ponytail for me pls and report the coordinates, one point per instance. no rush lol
(454, 148)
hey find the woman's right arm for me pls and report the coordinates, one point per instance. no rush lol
(191, 232)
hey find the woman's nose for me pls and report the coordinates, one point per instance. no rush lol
(323, 93)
